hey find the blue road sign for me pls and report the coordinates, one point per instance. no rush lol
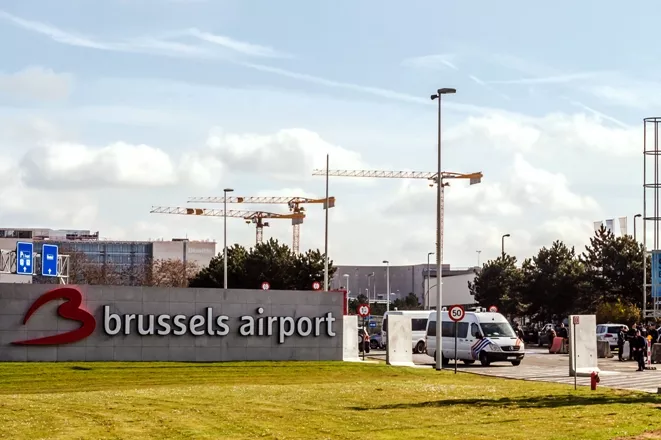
(372, 323)
(49, 260)
(24, 258)
(656, 274)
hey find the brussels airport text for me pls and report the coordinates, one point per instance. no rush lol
(208, 324)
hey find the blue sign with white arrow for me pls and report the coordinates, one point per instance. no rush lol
(24, 258)
(49, 260)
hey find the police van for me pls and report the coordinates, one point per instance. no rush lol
(498, 342)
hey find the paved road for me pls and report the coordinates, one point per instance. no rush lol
(539, 365)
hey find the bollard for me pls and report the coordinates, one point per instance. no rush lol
(594, 380)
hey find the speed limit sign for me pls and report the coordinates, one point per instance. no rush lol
(266, 285)
(316, 285)
(456, 313)
(493, 309)
(363, 310)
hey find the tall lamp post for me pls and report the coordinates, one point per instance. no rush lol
(346, 275)
(387, 263)
(634, 226)
(427, 302)
(225, 191)
(502, 244)
(478, 258)
(439, 233)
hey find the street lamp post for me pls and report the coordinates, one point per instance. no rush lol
(439, 233)
(502, 244)
(387, 263)
(346, 275)
(225, 191)
(478, 258)
(634, 226)
(427, 302)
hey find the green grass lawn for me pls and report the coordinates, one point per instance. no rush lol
(300, 400)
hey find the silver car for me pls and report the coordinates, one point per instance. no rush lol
(608, 332)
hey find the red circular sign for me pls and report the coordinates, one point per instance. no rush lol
(493, 309)
(266, 285)
(363, 310)
(456, 313)
(316, 285)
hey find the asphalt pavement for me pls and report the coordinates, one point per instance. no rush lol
(540, 365)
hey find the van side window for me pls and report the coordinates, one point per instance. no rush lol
(474, 330)
(462, 329)
(431, 328)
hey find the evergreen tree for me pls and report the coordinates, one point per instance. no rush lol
(499, 283)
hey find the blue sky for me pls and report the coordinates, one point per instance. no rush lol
(110, 107)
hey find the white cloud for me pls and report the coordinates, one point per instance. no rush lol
(237, 46)
(555, 79)
(37, 83)
(435, 62)
(289, 154)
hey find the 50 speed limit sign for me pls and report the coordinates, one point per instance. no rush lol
(363, 310)
(456, 313)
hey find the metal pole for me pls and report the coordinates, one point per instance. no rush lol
(427, 302)
(573, 337)
(439, 249)
(326, 229)
(456, 361)
(387, 286)
(226, 190)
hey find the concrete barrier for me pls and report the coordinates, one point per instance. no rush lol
(399, 349)
(625, 350)
(656, 354)
(582, 345)
(350, 338)
(604, 349)
(559, 346)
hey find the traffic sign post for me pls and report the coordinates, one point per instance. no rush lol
(49, 253)
(316, 285)
(456, 313)
(266, 285)
(24, 258)
(493, 309)
(363, 311)
(372, 324)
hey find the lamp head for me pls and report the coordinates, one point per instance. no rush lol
(506, 235)
(228, 190)
(446, 91)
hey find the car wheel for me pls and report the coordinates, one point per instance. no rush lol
(420, 347)
(374, 345)
(444, 360)
(484, 359)
(516, 363)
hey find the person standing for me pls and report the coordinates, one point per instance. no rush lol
(631, 337)
(640, 348)
(621, 337)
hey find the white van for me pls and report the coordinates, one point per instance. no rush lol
(505, 347)
(419, 320)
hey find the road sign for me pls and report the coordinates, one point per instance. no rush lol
(266, 285)
(316, 285)
(49, 260)
(576, 320)
(24, 258)
(372, 323)
(493, 309)
(456, 313)
(363, 310)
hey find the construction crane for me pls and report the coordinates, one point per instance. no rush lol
(255, 217)
(431, 176)
(294, 204)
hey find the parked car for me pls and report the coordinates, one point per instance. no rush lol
(375, 342)
(530, 335)
(608, 332)
(543, 337)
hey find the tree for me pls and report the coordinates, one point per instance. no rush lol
(618, 312)
(551, 282)
(499, 283)
(409, 302)
(172, 273)
(613, 271)
(271, 261)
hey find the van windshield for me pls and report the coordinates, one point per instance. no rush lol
(497, 330)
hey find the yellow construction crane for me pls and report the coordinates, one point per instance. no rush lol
(255, 217)
(294, 204)
(431, 176)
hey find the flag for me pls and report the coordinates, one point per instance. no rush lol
(597, 225)
(623, 226)
(609, 225)
(480, 345)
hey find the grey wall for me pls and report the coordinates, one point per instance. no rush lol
(16, 299)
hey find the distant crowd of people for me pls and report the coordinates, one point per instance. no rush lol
(638, 336)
